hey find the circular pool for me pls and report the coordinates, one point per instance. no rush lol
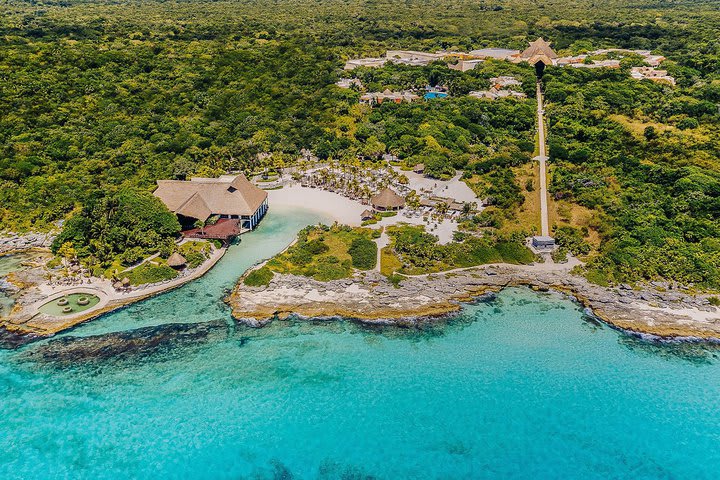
(70, 304)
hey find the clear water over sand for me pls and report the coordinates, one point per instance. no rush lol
(8, 264)
(524, 386)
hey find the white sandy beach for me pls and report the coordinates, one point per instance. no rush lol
(346, 211)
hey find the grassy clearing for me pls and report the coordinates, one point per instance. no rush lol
(413, 251)
(260, 277)
(150, 273)
(328, 253)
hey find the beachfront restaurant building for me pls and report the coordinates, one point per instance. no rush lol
(387, 201)
(225, 207)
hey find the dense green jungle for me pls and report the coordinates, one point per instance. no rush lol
(99, 99)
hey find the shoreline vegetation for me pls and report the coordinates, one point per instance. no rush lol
(378, 294)
(267, 292)
(633, 197)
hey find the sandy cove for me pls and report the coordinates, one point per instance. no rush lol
(369, 297)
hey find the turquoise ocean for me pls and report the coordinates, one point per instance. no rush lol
(524, 385)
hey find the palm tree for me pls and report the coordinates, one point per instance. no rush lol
(201, 225)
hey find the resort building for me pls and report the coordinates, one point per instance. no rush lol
(650, 73)
(572, 60)
(539, 54)
(380, 97)
(494, 94)
(465, 65)
(227, 206)
(495, 53)
(387, 200)
(411, 57)
(349, 83)
(505, 81)
(365, 62)
(654, 60)
(598, 64)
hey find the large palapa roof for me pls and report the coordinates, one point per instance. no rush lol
(539, 50)
(387, 199)
(202, 197)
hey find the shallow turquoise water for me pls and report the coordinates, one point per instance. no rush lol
(10, 263)
(521, 387)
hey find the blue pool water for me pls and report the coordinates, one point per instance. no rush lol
(430, 95)
(524, 386)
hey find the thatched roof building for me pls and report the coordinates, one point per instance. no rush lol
(200, 198)
(367, 215)
(539, 51)
(230, 197)
(176, 260)
(387, 199)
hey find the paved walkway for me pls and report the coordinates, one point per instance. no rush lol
(542, 158)
(29, 317)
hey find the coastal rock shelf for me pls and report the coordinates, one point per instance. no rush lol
(11, 242)
(371, 298)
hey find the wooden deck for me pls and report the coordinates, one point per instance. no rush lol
(223, 229)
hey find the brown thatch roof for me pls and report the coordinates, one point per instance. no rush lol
(176, 260)
(419, 168)
(387, 199)
(126, 281)
(366, 214)
(539, 50)
(202, 197)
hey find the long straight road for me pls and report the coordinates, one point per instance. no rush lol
(542, 158)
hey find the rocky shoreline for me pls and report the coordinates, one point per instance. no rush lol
(369, 297)
(15, 242)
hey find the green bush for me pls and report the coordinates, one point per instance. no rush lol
(150, 273)
(363, 253)
(194, 259)
(259, 277)
(330, 268)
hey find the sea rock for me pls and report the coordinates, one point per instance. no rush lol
(124, 346)
(10, 340)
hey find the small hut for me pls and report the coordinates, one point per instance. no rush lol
(541, 242)
(176, 261)
(367, 215)
(387, 200)
(419, 168)
(126, 282)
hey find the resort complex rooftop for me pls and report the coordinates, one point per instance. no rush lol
(226, 197)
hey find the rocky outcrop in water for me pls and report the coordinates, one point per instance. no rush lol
(127, 345)
(11, 340)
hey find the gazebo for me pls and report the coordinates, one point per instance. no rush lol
(387, 200)
(366, 215)
(176, 261)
